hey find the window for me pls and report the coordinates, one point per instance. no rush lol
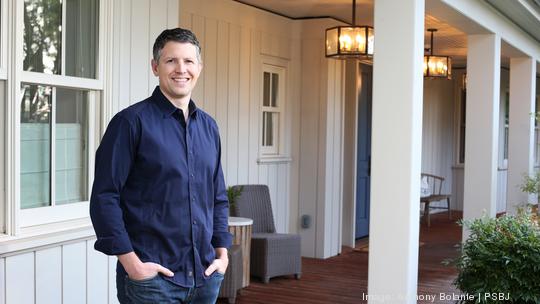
(273, 95)
(54, 125)
(57, 96)
(49, 49)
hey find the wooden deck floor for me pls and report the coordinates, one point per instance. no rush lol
(343, 279)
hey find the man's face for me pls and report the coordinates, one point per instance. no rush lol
(178, 70)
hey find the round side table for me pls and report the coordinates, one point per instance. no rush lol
(240, 228)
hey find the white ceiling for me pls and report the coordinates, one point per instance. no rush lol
(449, 40)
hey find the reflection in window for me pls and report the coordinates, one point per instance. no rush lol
(35, 146)
(70, 129)
(81, 37)
(43, 33)
(42, 36)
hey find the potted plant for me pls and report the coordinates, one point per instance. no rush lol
(232, 195)
(500, 261)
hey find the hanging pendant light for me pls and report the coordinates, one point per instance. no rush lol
(437, 66)
(350, 41)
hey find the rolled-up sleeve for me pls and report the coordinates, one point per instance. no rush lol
(221, 237)
(114, 158)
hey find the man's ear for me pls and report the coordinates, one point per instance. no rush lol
(154, 65)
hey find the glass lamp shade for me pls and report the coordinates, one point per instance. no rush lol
(437, 66)
(349, 41)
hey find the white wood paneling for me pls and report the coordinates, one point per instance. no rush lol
(111, 285)
(437, 134)
(70, 273)
(156, 27)
(244, 106)
(173, 8)
(123, 78)
(2, 281)
(321, 151)
(74, 275)
(98, 275)
(233, 112)
(20, 279)
(140, 57)
(49, 276)
(210, 65)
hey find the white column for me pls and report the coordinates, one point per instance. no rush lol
(521, 129)
(396, 150)
(482, 126)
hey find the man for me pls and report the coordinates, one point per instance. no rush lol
(159, 200)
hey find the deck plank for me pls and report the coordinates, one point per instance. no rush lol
(343, 278)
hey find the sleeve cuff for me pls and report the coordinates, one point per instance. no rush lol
(222, 240)
(113, 245)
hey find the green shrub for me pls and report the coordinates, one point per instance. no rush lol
(502, 255)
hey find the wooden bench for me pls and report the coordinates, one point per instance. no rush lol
(435, 183)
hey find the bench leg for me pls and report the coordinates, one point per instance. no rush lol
(449, 210)
(426, 213)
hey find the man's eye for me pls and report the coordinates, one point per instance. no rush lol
(169, 61)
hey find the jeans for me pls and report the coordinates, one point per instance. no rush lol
(159, 290)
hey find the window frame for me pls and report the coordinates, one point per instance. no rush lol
(280, 67)
(20, 221)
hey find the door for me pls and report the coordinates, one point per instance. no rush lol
(363, 151)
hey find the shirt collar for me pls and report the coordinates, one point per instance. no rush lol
(167, 108)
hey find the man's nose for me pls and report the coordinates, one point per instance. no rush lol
(181, 67)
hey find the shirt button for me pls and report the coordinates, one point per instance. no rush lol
(193, 199)
(192, 175)
(194, 222)
(190, 274)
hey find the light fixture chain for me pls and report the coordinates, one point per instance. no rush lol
(354, 13)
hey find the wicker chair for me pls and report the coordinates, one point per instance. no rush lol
(272, 254)
(232, 282)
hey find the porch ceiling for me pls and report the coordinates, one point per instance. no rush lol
(449, 41)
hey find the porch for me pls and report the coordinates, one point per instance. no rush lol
(343, 278)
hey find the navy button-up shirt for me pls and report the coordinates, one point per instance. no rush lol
(159, 189)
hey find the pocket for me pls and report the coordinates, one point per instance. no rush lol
(143, 281)
(218, 274)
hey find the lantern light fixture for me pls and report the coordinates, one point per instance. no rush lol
(352, 41)
(436, 66)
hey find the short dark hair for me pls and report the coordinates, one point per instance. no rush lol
(177, 35)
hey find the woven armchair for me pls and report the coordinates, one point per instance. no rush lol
(272, 254)
(232, 282)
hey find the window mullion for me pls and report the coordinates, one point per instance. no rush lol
(52, 161)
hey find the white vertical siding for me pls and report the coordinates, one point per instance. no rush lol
(98, 272)
(49, 275)
(74, 273)
(20, 279)
(321, 133)
(111, 284)
(65, 273)
(437, 135)
(2, 281)
(235, 40)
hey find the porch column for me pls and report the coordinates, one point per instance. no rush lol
(396, 150)
(482, 126)
(521, 129)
